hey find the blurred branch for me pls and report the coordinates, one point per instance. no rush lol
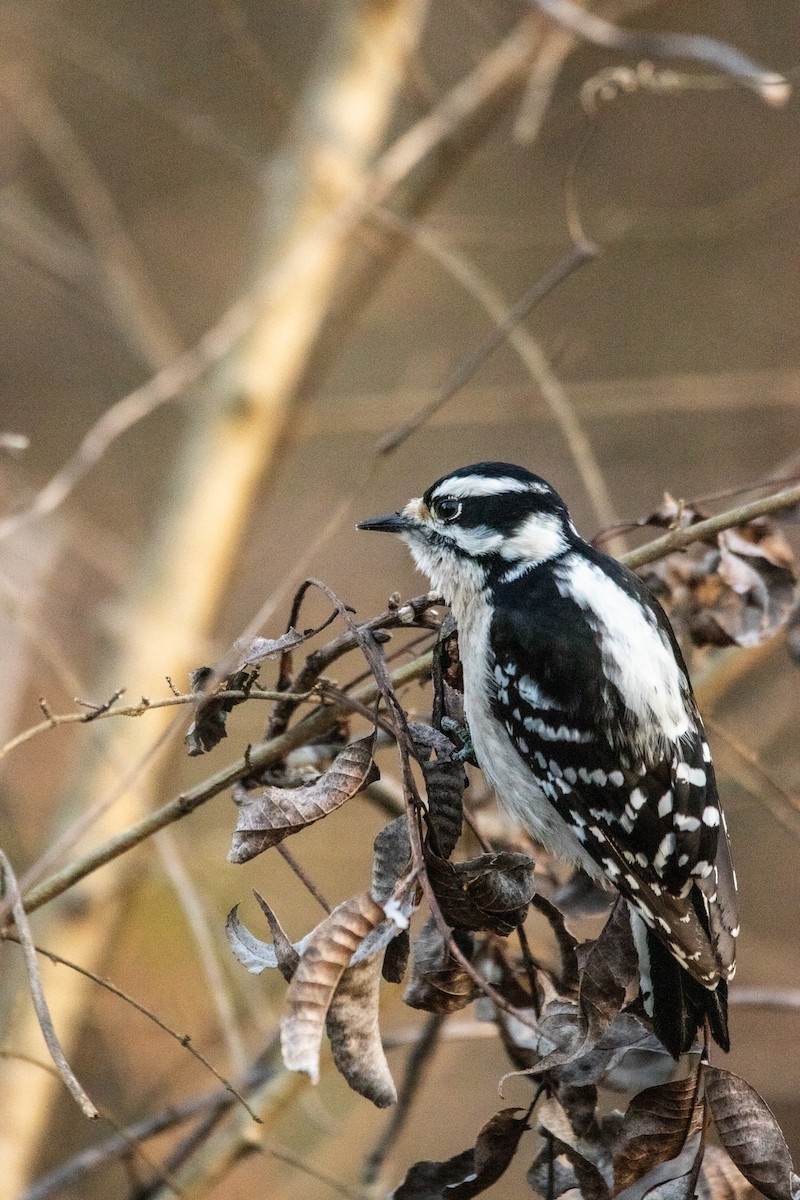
(68, 1078)
(580, 253)
(197, 919)
(419, 1059)
(530, 354)
(74, 1170)
(770, 86)
(232, 432)
(49, 30)
(140, 316)
(765, 997)
(782, 804)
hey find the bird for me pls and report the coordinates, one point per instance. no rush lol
(582, 717)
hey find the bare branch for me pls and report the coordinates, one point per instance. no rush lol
(530, 354)
(579, 254)
(144, 705)
(183, 1038)
(37, 993)
(678, 539)
(140, 315)
(419, 1059)
(765, 997)
(770, 86)
(476, 91)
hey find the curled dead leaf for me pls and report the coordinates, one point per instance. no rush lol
(608, 966)
(259, 649)
(750, 1134)
(395, 959)
(491, 892)
(585, 1152)
(354, 1033)
(474, 1170)
(210, 719)
(391, 858)
(438, 982)
(268, 815)
(328, 953)
(256, 956)
(737, 588)
(445, 781)
(657, 1125)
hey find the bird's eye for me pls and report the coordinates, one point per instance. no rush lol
(447, 509)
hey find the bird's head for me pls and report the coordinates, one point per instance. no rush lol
(484, 522)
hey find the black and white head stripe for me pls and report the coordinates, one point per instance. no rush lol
(582, 717)
(494, 514)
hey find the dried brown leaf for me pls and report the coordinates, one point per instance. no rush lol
(750, 1134)
(655, 1129)
(354, 1033)
(287, 955)
(682, 1187)
(328, 953)
(721, 1180)
(395, 960)
(445, 781)
(448, 675)
(268, 815)
(609, 965)
(471, 1172)
(438, 982)
(209, 725)
(391, 858)
(254, 954)
(737, 588)
(491, 892)
(587, 1155)
(254, 652)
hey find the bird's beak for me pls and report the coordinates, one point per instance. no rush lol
(391, 523)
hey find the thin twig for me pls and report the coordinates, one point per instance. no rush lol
(68, 1077)
(303, 876)
(772, 87)
(578, 254)
(144, 705)
(266, 754)
(183, 1038)
(529, 352)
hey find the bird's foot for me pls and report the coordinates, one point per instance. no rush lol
(458, 732)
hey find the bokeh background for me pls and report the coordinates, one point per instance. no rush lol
(170, 170)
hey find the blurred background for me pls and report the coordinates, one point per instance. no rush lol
(251, 239)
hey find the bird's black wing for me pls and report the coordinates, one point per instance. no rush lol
(645, 810)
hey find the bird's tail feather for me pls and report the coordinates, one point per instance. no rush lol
(677, 1004)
